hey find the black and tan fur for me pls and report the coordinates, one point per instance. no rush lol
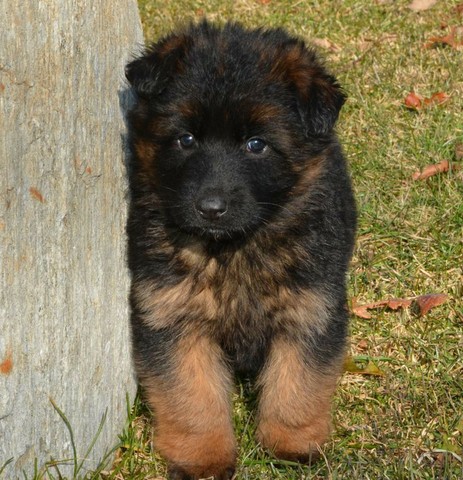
(240, 231)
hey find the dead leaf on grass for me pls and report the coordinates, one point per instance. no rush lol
(415, 101)
(421, 5)
(442, 167)
(362, 345)
(430, 170)
(370, 369)
(454, 39)
(437, 98)
(424, 303)
(393, 303)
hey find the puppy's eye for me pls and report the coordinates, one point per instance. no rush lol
(256, 145)
(186, 141)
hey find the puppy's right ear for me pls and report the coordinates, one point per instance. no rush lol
(150, 74)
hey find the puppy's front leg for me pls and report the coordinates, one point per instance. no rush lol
(294, 407)
(192, 407)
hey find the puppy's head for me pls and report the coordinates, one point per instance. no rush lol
(226, 122)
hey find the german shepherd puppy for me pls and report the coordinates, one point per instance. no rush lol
(241, 229)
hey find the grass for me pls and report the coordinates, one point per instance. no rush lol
(408, 423)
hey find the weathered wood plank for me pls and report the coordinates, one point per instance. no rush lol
(63, 295)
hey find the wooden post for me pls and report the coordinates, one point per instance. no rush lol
(64, 334)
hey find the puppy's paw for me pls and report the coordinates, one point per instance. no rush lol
(204, 457)
(197, 472)
(300, 444)
(306, 458)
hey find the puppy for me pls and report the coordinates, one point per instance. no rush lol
(240, 231)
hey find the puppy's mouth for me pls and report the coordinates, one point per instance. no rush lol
(216, 234)
(215, 218)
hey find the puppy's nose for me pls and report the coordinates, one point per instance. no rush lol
(211, 207)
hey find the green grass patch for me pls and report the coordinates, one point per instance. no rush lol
(407, 424)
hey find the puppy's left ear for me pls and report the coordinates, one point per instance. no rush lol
(320, 102)
(319, 95)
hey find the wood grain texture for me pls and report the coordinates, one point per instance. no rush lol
(63, 296)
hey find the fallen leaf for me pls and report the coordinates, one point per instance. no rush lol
(454, 39)
(413, 101)
(370, 369)
(421, 5)
(362, 311)
(417, 102)
(459, 9)
(393, 303)
(430, 170)
(396, 303)
(36, 195)
(350, 365)
(437, 98)
(424, 303)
